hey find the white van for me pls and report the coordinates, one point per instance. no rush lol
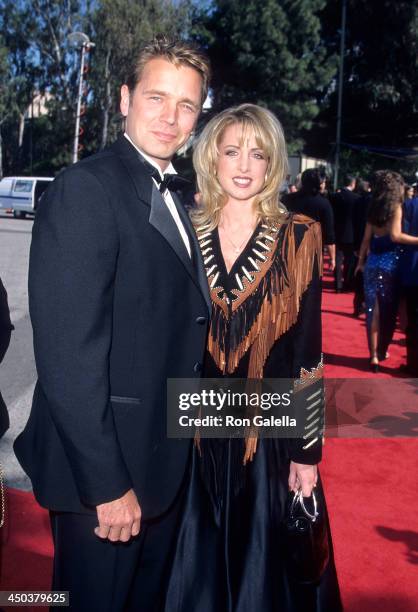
(21, 194)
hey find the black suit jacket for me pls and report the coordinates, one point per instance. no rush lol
(360, 209)
(117, 307)
(316, 207)
(343, 203)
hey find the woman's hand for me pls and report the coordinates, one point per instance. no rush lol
(359, 268)
(302, 477)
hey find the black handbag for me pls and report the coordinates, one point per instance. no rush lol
(305, 535)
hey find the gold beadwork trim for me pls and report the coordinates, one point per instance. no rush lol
(308, 377)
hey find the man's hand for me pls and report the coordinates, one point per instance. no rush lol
(331, 252)
(120, 519)
(302, 477)
(331, 265)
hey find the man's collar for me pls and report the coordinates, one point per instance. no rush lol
(170, 168)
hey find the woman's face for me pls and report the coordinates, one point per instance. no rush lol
(409, 193)
(242, 165)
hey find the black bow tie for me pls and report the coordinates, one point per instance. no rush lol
(172, 182)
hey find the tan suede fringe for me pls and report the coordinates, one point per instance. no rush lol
(277, 315)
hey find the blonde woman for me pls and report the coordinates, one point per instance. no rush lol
(263, 267)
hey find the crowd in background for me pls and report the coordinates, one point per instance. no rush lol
(370, 230)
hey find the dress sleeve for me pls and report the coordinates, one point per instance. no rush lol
(307, 365)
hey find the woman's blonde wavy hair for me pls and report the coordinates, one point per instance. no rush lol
(269, 137)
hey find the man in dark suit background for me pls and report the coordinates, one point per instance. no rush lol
(409, 275)
(359, 216)
(119, 303)
(309, 201)
(343, 203)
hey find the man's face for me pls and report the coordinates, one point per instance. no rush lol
(163, 109)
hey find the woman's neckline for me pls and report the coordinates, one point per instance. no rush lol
(240, 255)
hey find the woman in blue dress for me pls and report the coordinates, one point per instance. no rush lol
(381, 246)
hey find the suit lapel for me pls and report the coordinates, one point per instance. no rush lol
(199, 268)
(141, 178)
(160, 217)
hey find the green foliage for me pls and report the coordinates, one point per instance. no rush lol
(278, 53)
(269, 53)
(41, 60)
(37, 46)
(363, 164)
(5, 96)
(380, 100)
(17, 29)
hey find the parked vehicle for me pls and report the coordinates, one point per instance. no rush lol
(22, 194)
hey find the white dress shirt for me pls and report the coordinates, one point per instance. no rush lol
(167, 197)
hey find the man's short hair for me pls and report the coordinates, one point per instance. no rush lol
(177, 52)
(349, 179)
(312, 178)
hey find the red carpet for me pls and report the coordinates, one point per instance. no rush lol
(371, 495)
(370, 483)
(345, 341)
(26, 544)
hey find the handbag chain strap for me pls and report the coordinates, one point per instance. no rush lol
(299, 498)
(2, 498)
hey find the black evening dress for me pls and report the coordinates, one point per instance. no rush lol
(266, 322)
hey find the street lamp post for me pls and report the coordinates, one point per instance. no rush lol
(82, 40)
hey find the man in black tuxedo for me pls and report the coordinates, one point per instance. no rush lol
(343, 203)
(119, 303)
(359, 216)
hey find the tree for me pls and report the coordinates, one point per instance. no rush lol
(380, 94)
(41, 60)
(55, 20)
(5, 95)
(16, 31)
(269, 53)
